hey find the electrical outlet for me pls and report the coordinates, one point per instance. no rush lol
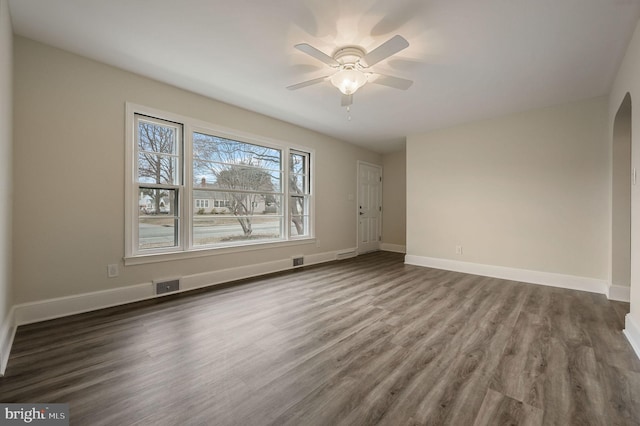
(458, 249)
(112, 270)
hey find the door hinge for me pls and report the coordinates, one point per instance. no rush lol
(380, 238)
(380, 178)
(380, 208)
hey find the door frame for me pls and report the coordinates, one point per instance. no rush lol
(357, 209)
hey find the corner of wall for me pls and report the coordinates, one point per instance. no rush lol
(632, 332)
(7, 328)
(395, 248)
(619, 293)
(7, 333)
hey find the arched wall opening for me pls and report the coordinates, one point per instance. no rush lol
(622, 177)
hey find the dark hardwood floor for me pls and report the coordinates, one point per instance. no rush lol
(358, 342)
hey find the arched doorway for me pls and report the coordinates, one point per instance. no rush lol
(622, 177)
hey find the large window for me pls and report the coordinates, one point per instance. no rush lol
(195, 187)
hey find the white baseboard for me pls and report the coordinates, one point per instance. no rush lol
(192, 282)
(43, 310)
(396, 248)
(632, 331)
(619, 292)
(7, 333)
(523, 275)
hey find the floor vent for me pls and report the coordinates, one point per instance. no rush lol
(298, 261)
(167, 286)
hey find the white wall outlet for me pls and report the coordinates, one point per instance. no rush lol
(112, 270)
(458, 249)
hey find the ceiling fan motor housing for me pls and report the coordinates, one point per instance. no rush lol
(349, 55)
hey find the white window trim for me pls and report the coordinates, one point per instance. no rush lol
(186, 249)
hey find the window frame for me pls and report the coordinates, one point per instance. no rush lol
(177, 185)
(306, 193)
(186, 207)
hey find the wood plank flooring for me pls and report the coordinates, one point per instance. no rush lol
(363, 341)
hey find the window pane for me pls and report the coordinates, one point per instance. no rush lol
(153, 201)
(237, 203)
(155, 168)
(236, 217)
(227, 164)
(246, 179)
(208, 148)
(298, 172)
(157, 232)
(298, 163)
(242, 182)
(203, 179)
(298, 184)
(221, 229)
(298, 205)
(158, 144)
(158, 221)
(299, 226)
(155, 137)
(299, 216)
(236, 177)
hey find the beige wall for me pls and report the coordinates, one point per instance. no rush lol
(69, 174)
(527, 191)
(394, 198)
(6, 68)
(628, 81)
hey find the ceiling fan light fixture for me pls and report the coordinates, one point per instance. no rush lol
(351, 67)
(348, 80)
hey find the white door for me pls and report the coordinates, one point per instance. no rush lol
(369, 207)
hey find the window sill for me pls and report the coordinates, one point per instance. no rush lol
(195, 253)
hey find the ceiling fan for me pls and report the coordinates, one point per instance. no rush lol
(352, 67)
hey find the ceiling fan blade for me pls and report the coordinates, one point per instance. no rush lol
(307, 83)
(395, 82)
(386, 49)
(346, 100)
(319, 55)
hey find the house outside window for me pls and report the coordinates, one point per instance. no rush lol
(202, 204)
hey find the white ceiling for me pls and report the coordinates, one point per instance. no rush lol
(469, 59)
